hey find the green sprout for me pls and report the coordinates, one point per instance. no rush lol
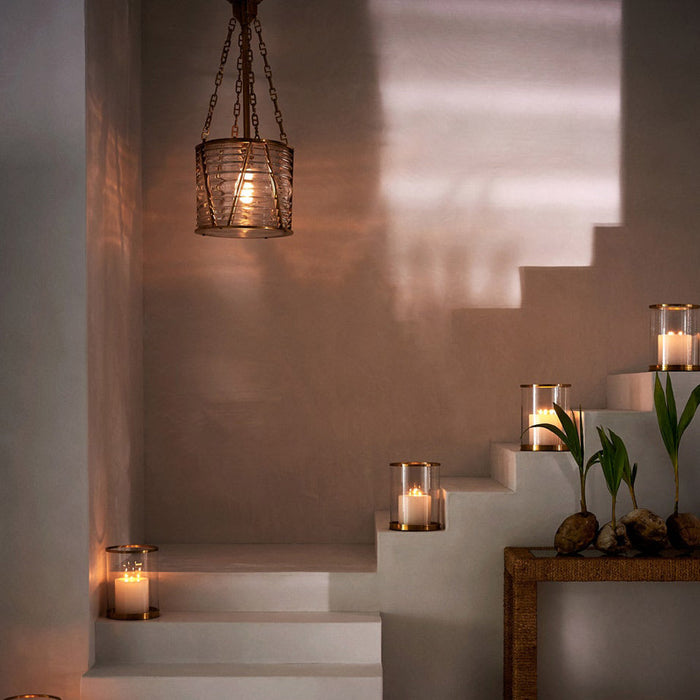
(671, 428)
(571, 436)
(629, 476)
(614, 462)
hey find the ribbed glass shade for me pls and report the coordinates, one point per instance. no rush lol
(244, 188)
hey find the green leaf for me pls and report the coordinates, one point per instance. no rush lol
(572, 440)
(662, 416)
(671, 403)
(689, 411)
(550, 427)
(627, 474)
(581, 431)
(595, 459)
(612, 460)
(622, 455)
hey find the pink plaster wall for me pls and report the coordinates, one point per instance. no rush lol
(114, 282)
(282, 376)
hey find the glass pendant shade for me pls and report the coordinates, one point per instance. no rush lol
(244, 188)
(244, 183)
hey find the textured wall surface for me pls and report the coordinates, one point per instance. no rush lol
(282, 376)
(44, 613)
(114, 281)
(439, 147)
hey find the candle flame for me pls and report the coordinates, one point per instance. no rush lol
(546, 412)
(415, 491)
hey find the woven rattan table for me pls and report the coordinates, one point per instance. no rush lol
(526, 567)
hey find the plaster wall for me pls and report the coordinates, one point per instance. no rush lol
(282, 376)
(114, 282)
(441, 593)
(43, 325)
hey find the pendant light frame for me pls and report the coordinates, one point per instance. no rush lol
(244, 184)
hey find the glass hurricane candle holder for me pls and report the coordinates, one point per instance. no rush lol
(416, 496)
(674, 337)
(537, 408)
(132, 585)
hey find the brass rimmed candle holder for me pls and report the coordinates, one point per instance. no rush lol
(416, 496)
(132, 585)
(674, 338)
(537, 408)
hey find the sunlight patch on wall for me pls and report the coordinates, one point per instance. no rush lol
(501, 142)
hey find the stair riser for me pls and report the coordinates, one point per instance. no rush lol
(205, 592)
(240, 642)
(289, 688)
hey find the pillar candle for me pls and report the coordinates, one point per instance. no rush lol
(131, 594)
(542, 436)
(414, 508)
(675, 348)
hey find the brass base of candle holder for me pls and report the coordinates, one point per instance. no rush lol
(544, 448)
(152, 613)
(674, 368)
(394, 525)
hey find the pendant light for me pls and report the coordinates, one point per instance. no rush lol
(244, 183)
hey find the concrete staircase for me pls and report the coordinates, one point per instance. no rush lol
(250, 622)
(256, 622)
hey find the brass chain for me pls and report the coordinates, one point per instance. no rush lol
(253, 100)
(219, 77)
(268, 75)
(239, 88)
(239, 82)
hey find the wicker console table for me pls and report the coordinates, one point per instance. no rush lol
(525, 568)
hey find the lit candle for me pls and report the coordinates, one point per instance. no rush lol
(543, 436)
(675, 348)
(414, 507)
(131, 594)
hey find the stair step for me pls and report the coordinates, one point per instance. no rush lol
(273, 578)
(246, 558)
(272, 592)
(635, 391)
(241, 637)
(317, 681)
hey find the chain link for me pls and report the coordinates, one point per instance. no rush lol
(252, 99)
(219, 77)
(268, 75)
(239, 88)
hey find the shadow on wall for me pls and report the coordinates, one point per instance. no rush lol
(501, 143)
(281, 377)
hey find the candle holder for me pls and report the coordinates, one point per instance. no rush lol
(674, 338)
(416, 496)
(33, 695)
(537, 407)
(132, 585)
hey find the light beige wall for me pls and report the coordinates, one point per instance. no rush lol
(44, 613)
(114, 282)
(282, 376)
(71, 327)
